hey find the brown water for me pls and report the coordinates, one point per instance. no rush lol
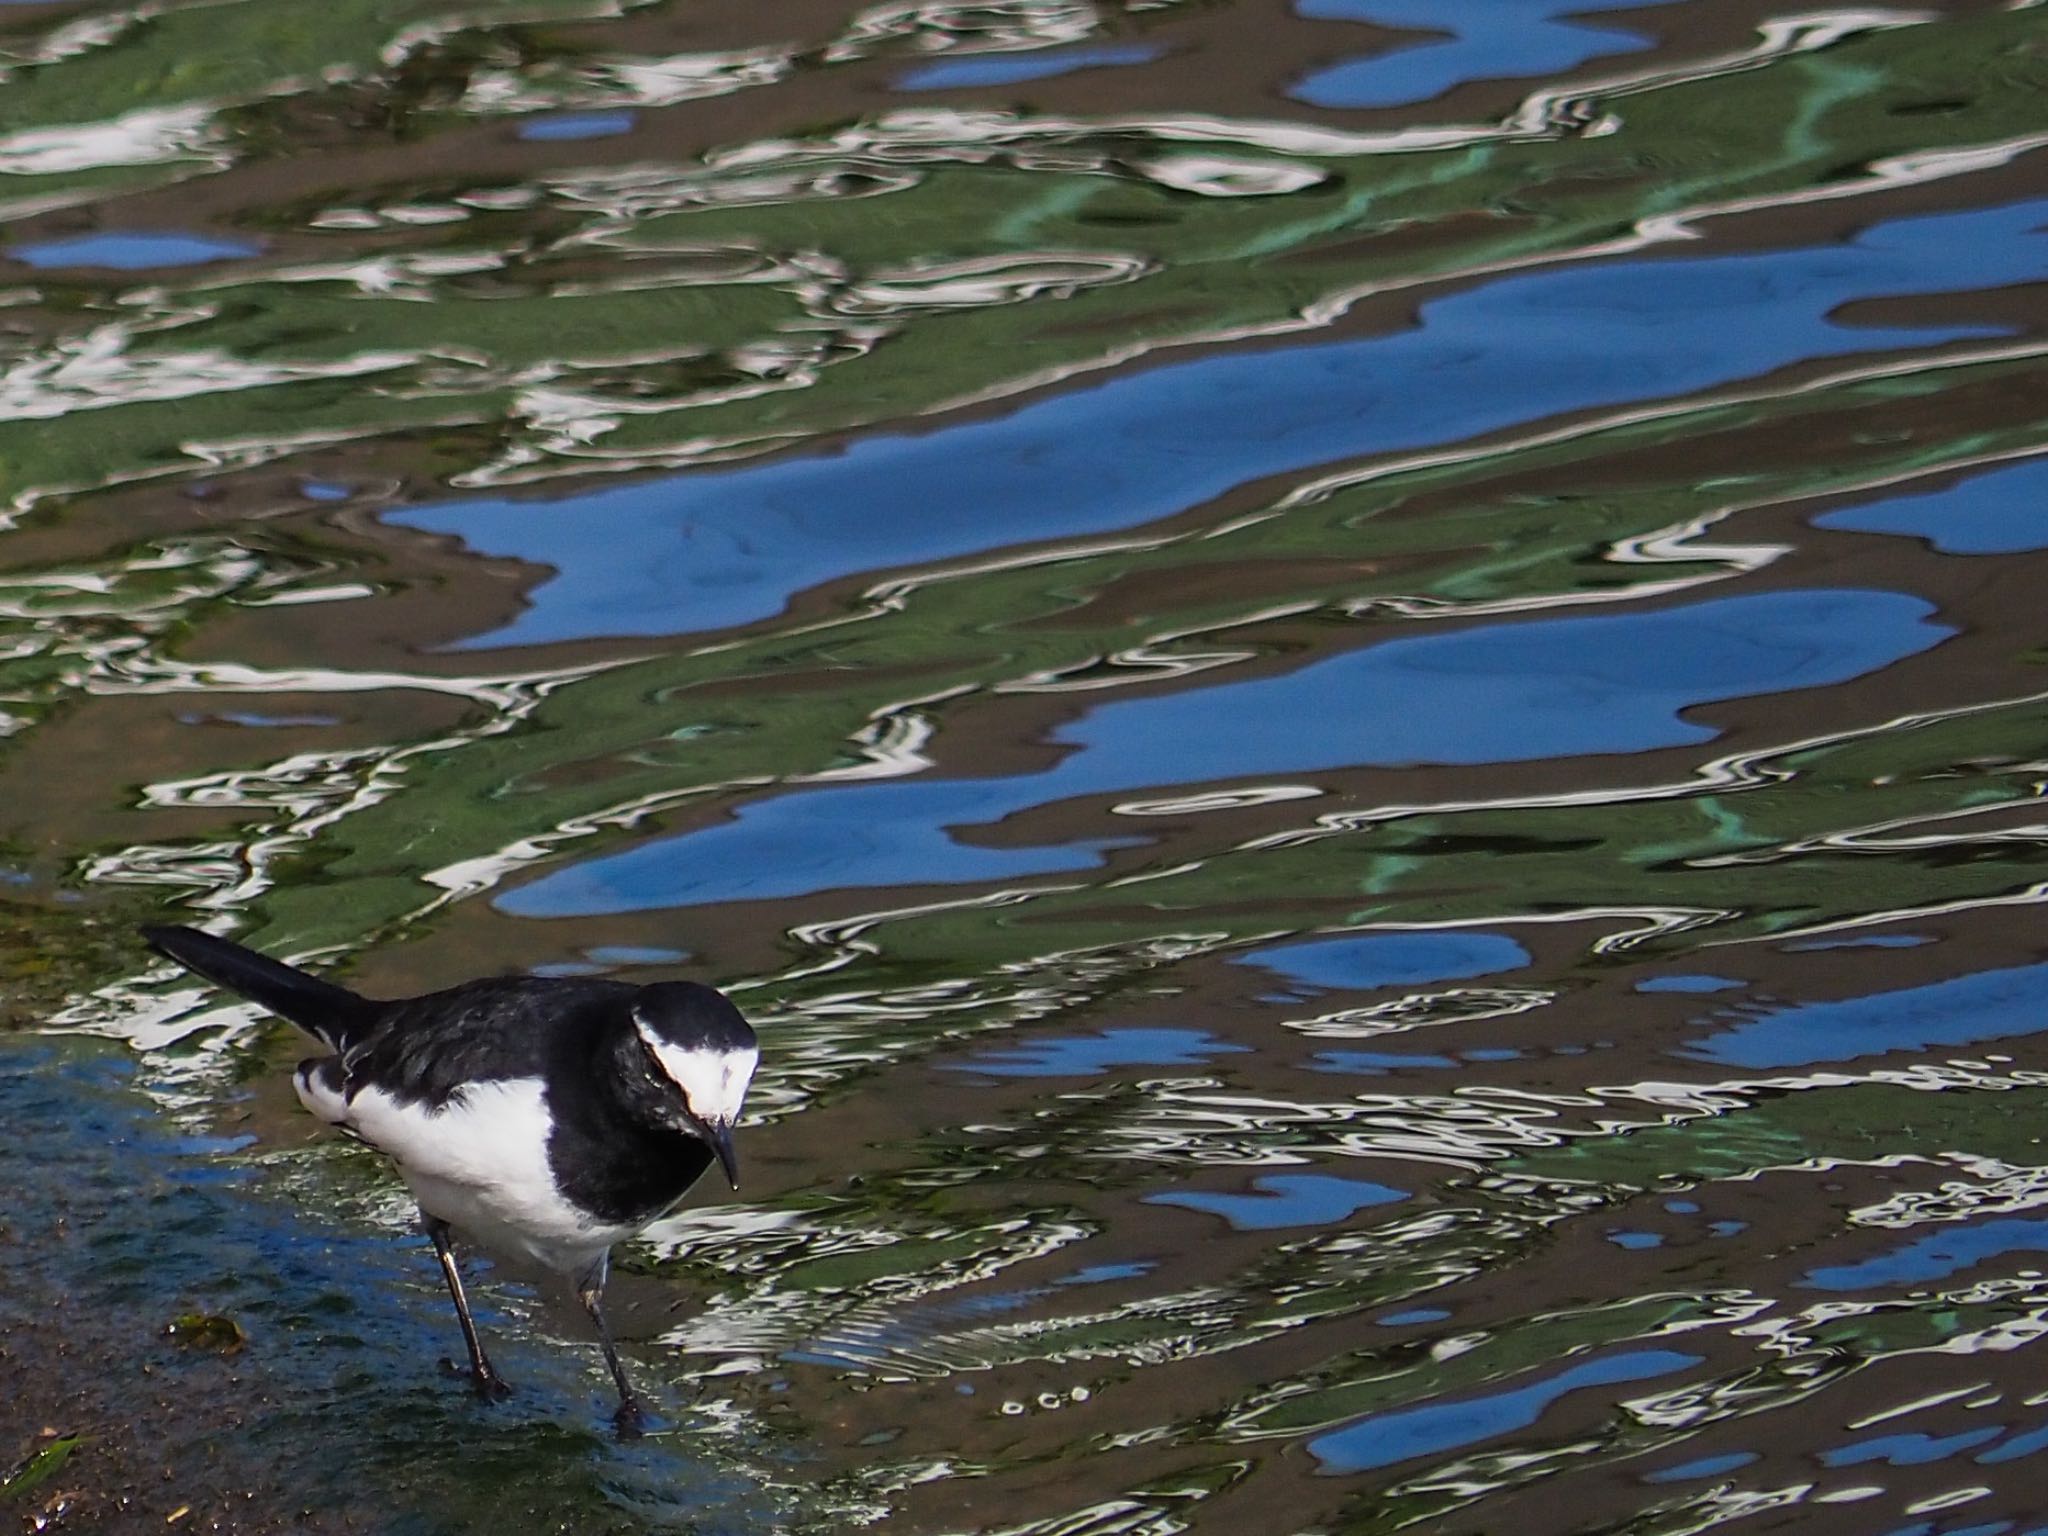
(1355, 688)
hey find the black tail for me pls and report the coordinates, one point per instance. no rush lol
(328, 1011)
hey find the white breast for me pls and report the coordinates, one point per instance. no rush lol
(480, 1164)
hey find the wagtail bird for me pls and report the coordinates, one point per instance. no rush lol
(547, 1117)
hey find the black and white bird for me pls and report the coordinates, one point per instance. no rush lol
(546, 1117)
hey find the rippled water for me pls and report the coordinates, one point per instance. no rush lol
(1356, 688)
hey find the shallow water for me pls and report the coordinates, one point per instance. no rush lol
(1355, 689)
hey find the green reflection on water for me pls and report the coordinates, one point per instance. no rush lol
(456, 317)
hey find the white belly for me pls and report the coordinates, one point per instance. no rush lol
(480, 1164)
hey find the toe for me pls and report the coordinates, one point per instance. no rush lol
(632, 1420)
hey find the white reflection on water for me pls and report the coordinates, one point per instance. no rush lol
(634, 82)
(965, 26)
(1420, 1010)
(866, 1020)
(121, 364)
(145, 136)
(980, 281)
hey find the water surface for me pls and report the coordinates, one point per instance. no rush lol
(1355, 689)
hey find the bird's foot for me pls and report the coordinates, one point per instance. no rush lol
(632, 1420)
(490, 1386)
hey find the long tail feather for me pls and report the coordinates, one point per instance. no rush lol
(326, 1010)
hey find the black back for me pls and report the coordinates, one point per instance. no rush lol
(420, 1050)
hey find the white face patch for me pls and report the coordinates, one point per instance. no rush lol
(714, 1083)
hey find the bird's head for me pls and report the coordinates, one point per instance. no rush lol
(700, 1055)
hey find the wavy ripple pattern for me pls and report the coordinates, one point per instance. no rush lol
(1357, 697)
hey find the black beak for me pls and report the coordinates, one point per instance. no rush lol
(720, 1137)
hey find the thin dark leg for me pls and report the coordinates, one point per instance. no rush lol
(489, 1384)
(631, 1417)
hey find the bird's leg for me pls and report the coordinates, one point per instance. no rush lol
(631, 1418)
(489, 1384)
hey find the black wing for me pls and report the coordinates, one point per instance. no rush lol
(425, 1048)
